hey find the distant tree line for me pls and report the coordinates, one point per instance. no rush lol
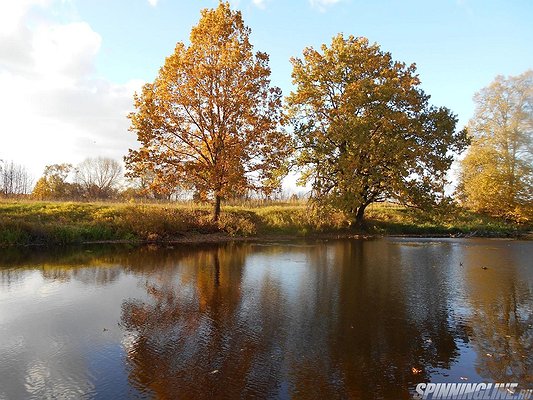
(14, 179)
(93, 179)
(98, 179)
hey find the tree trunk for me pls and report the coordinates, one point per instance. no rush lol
(216, 209)
(359, 222)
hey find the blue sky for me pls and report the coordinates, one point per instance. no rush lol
(68, 68)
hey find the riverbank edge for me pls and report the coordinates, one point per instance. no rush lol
(222, 238)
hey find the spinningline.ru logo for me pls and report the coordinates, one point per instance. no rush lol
(478, 391)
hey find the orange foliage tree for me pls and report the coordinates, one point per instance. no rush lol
(211, 121)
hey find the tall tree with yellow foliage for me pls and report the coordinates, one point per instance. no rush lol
(497, 172)
(210, 122)
(365, 131)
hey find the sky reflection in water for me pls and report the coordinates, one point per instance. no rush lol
(333, 319)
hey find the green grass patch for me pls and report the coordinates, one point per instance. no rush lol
(53, 223)
(393, 219)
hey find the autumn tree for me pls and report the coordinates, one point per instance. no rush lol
(497, 172)
(365, 131)
(14, 179)
(210, 122)
(99, 177)
(53, 184)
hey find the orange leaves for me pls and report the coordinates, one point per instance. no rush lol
(211, 114)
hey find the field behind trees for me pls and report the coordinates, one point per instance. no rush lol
(60, 223)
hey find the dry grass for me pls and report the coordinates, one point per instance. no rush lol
(29, 222)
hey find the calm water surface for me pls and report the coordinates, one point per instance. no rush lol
(332, 319)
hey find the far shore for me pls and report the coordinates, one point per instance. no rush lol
(30, 223)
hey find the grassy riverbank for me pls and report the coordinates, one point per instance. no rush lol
(51, 223)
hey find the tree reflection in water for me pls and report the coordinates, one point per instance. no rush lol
(344, 327)
(502, 314)
(337, 319)
(189, 339)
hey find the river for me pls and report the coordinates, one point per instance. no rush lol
(349, 319)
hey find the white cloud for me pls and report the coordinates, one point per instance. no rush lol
(259, 3)
(12, 13)
(153, 3)
(15, 37)
(65, 50)
(54, 107)
(322, 4)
